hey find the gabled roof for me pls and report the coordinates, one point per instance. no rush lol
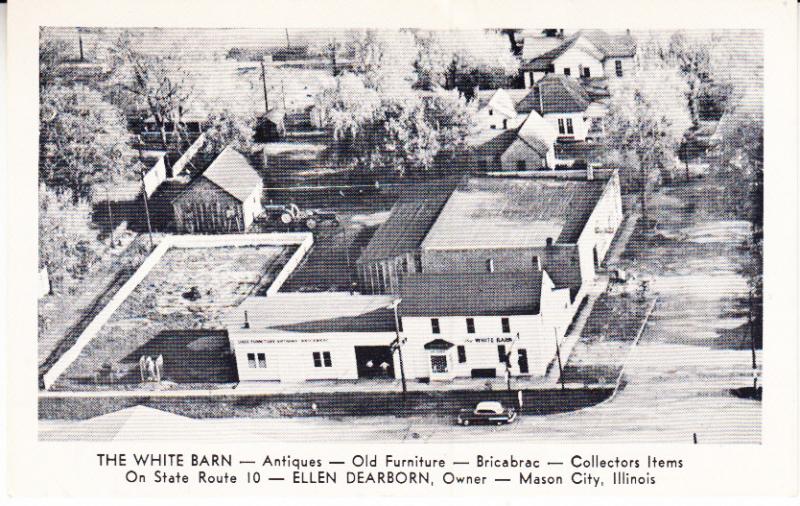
(556, 94)
(603, 45)
(410, 219)
(471, 293)
(537, 133)
(233, 172)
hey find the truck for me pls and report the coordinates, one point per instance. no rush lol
(290, 216)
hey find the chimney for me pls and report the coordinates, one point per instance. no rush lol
(548, 242)
(589, 172)
(246, 321)
(537, 263)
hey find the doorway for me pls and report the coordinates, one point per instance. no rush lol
(374, 362)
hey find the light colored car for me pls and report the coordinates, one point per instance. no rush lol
(487, 412)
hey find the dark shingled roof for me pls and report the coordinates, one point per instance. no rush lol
(471, 294)
(556, 94)
(411, 217)
(608, 45)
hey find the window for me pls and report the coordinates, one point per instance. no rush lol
(435, 325)
(569, 126)
(470, 325)
(491, 112)
(462, 354)
(501, 353)
(322, 359)
(257, 360)
(506, 324)
(490, 265)
(505, 124)
(567, 71)
(522, 361)
(520, 164)
(493, 126)
(551, 68)
(561, 125)
(537, 262)
(587, 72)
(618, 67)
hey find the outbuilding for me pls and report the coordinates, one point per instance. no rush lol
(225, 198)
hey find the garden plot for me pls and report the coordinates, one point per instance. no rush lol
(176, 312)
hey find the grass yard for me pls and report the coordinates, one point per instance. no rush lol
(610, 331)
(175, 312)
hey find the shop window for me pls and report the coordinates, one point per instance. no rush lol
(261, 360)
(257, 360)
(251, 360)
(506, 324)
(462, 354)
(470, 325)
(435, 325)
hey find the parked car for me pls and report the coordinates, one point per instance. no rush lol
(292, 217)
(487, 412)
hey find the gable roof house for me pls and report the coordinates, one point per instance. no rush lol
(585, 54)
(574, 109)
(225, 198)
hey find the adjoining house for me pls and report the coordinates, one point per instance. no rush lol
(510, 137)
(574, 110)
(501, 225)
(585, 54)
(225, 198)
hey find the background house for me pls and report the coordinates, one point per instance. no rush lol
(584, 54)
(225, 198)
(574, 110)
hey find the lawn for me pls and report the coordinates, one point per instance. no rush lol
(176, 312)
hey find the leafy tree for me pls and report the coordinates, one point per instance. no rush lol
(645, 124)
(67, 241)
(385, 58)
(464, 59)
(52, 53)
(161, 85)
(83, 139)
(228, 129)
(394, 132)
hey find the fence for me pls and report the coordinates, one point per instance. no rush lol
(158, 173)
(303, 240)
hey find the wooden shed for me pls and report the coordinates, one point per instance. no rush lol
(225, 198)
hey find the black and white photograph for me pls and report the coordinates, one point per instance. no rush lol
(399, 234)
(368, 250)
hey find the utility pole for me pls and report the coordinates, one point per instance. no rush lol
(752, 340)
(558, 356)
(288, 44)
(110, 219)
(399, 345)
(264, 82)
(146, 211)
